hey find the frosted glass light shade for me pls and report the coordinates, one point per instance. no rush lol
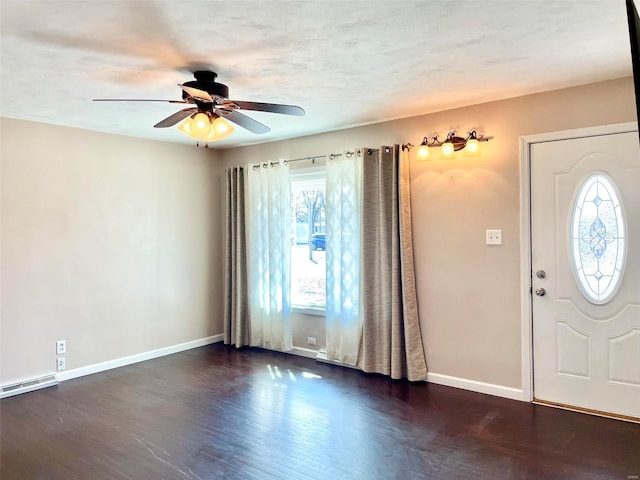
(200, 124)
(221, 128)
(447, 148)
(216, 130)
(186, 127)
(472, 145)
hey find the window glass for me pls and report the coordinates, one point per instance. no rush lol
(308, 252)
(597, 238)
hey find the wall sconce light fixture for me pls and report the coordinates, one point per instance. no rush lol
(452, 143)
(206, 127)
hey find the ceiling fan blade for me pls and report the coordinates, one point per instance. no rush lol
(197, 93)
(135, 100)
(266, 107)
(244, 121)
(171, 120)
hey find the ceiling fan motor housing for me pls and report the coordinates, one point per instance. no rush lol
(205, 80)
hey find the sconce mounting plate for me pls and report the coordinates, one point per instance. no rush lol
(458, 143)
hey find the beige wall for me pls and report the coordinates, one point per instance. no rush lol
(468, 293)
(304, 326)
(114, 243)
(109, 242)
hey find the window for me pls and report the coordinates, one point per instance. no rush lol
(308, 252)
(597, 236)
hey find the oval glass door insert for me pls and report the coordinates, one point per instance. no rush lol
(597, 238)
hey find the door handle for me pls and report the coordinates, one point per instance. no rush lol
(541, 292)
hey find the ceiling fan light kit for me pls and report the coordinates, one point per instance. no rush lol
(206, 128)
(208, 120)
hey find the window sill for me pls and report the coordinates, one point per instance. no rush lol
(319, 312)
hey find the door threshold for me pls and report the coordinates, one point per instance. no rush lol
(598, 413)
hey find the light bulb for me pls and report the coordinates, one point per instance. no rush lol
(472, 145)
(447, 148)
(200, 124)
(201, 120)
(207, 132)
(221, 127)
(423, 149)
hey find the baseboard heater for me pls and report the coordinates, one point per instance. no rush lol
(30, 385)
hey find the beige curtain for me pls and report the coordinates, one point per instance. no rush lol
(236, 293)
(391, 342)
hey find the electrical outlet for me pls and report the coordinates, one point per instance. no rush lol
(61, 347)
(60, 364)
(311, 341)
(494, 237)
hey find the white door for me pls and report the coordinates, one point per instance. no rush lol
(585, 257)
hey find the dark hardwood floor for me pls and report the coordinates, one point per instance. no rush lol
(216, 412)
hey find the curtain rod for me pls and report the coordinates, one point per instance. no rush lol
(313, 158)
(331, 156)
(334, 155)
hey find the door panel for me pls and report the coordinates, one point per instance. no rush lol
(586, 337)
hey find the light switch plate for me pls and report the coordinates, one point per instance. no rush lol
(494, 237)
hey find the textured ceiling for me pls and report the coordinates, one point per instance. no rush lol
(345, 62)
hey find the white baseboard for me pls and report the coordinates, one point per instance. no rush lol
(474, 386)
(139, 357)
(304, 352)
(319, 355)
(33, 384)
(322, 358)
(449, 381)
(463, 383)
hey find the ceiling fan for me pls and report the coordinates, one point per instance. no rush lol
(210, 101)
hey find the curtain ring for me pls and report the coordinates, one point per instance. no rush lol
(255, 166)
(348, 154)
(284, 162)
(387, 149)
(264, 165)
(332, 157)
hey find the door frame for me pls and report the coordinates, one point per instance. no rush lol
(526, 280)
